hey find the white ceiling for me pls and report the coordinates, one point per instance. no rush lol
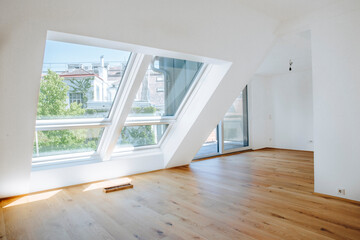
(295, 47)
(287, 9)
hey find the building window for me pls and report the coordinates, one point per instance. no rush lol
(160, 78)
(76, 98)
(159, 89)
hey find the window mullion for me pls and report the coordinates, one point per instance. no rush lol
(221, 137)
(71, 126)
(147, 122)
(134, 75)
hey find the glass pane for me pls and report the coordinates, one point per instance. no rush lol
(164, 87)
(136, 136)
(55, 142)
(236, 123)
(79, 81)
(210, 146)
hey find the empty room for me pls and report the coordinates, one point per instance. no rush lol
(193, 119)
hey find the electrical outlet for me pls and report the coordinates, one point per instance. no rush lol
(341, 191)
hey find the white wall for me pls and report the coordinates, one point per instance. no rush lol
(259, 95)
(336, 85)
(292, 110)
(43, 178)
(223, 30)
(282, 111)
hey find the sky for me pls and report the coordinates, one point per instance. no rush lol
(61, 52)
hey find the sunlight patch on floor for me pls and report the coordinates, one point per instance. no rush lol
(33, 198)
(108, 183)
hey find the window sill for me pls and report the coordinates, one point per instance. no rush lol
(66, 162)
(91, 159)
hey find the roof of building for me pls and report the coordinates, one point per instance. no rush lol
(79, 73)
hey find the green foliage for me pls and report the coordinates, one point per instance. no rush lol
(52, 103)
(67, 140)
(75, 109)
(149, 109)
(52, 98)
(53, 94)
(81, 86)
(96, 111)
(138, 136)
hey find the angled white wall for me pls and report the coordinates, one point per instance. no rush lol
(216, 29)
(259, 94)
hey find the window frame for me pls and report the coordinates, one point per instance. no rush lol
(147, 147)
(139, 56)
(78, 123)
(220, 133)
(157, 120)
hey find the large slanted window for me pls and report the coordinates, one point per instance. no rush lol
(96, 101)
(163, 91)
(78, 88)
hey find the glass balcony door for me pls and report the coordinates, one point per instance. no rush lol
(231, 134)
(211, 145)
(235, 124)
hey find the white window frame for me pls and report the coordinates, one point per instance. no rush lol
(79, 123)
(157, 120)
(134, 74)
(220, 136)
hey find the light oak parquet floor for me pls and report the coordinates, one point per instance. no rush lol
(264, 194)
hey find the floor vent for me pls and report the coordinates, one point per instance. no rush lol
(118, 187)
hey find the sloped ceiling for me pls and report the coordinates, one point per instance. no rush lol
(296, 47)
(287, 9)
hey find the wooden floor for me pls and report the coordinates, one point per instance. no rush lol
(265, 194)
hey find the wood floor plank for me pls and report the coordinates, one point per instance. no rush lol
(263, 194)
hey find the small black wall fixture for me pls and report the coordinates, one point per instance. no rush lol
(290, 63)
